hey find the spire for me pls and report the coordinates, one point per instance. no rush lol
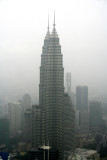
(54, 20)
(48, 33)
(48, 22)
(54, 33)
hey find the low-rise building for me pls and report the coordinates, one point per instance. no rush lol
(83, 154)
(88, 154)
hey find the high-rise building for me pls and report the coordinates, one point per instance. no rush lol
(73, 99)
(4, 132)
(25, 105)
(53, 121)
(84, 121)
(27, 128)
(51, 92)
(69, 124)
(14, 114)
(36, 126)
(82, 107)
(26, 101)
(82, 98)
(32, 126)
(95, 114)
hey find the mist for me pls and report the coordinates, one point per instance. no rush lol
(82, 29)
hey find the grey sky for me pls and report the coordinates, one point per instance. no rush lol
(82, 29)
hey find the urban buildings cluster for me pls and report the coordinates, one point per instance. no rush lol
(61, 122)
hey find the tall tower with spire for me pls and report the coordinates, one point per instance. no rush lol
(51, 92)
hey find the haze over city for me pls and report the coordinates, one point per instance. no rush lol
(82, 28)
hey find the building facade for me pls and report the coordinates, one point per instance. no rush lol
(36, 126)
(69, 124)
(27, 129)
(95, 115)
(14, 115)
(4, 132)
(82, 109)
(26, 101)
(82, 98)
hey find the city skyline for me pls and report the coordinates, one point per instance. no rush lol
(82, 27)
(46, 94)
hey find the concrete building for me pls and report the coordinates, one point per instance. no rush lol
(51, 92)
(32, 126)
(77, 120)
(84, 154)
(42, 154)
(3, 110)
(82, 108)
(14, 115)
(26, 101)
(36, 126)
(69, 124)
(88, 154)
(25, 105)
(84, 121)
(84, 140)
(95, 111)
(27, 128)
(4, 132)
(73, 99)
(82, 98)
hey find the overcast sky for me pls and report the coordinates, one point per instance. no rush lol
(82, 29)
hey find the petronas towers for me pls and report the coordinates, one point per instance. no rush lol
(51, 91)
(55, 126)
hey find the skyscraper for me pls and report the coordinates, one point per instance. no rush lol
(14, 114)
(26, 101)
(69, 124)
(95, 110)
(82, 98)
(36, 126)
(82, 107)
(4, 132)
(51, 92)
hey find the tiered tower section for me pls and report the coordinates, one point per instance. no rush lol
(51, 92)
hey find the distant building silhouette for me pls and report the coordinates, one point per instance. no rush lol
(14, 114)
(27, 128)
(69, 124)
(82, 113)
(25, 105)
(82, 98)
(26, 101)
(36, 126)
(95, 110)
(4, 132)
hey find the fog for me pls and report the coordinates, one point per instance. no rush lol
(82, 29)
